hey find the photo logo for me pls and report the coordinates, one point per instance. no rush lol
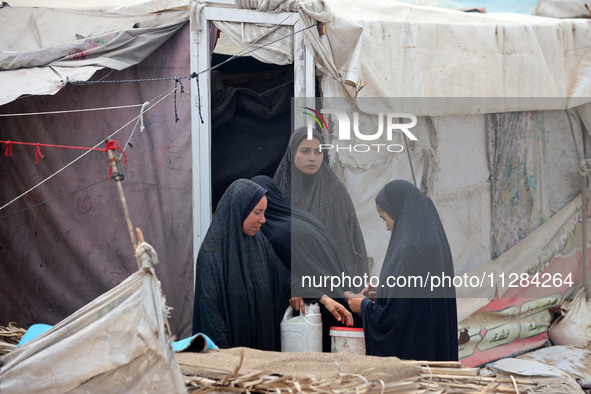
(315, 116)
(345, 129)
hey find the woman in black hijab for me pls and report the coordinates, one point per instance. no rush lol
(307, 183)
(308, 249)
(409, 321)
(241, 288)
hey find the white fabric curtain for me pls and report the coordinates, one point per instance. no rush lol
(337, 55)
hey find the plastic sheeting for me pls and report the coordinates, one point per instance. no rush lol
(573, 324)
(47, 48)
(566, 367)
(117, 343)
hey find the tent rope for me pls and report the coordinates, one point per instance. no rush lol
(585, 167)
(159, 99)
(69, 111)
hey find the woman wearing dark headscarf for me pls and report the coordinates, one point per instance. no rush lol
(307, 182)
(241, 287)
(408, 321)
(308, 249)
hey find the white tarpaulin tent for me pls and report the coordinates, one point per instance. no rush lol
(118, 344)
(501, 101)
(466, 71)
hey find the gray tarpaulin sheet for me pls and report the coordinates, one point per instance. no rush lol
(60, 255)
(42, 49)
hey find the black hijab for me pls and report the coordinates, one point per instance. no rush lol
(324, 196)
(241, 286)
(412, 322)
(304, 244)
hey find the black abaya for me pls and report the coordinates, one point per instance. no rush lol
(241, 286)
(412, 322)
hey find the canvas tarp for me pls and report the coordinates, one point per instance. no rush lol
(42, 49)
(117, 343)
(496, 55)
(61, 254)
(418, 51)
(499, 200)
(562, 9)
(484, 205)
(134, 7)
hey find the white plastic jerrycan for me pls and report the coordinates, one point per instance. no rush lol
(302, 334)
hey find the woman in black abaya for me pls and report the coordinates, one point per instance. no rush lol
(242, 288)
(307, 183)
(307, 248)
(411, 322)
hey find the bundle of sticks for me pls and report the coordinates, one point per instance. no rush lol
(267, 381)
(435, 377)
(452, 378)
(10, 337)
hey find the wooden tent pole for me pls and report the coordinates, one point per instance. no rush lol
(584, 230)
(583, 172)
(116, 175)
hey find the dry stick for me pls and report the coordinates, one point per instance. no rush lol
(443, 364)
(236, 369)
(451, 371)
(587, 7)
(484, 390)
(514, 384)
(499, 389)
(254, 375)
(480, 378)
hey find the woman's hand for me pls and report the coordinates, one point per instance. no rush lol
(354, 301)
(298, 303)
(338, 311)
(370, 292)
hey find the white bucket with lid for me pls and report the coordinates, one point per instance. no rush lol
(302, 334)
(347, 339)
